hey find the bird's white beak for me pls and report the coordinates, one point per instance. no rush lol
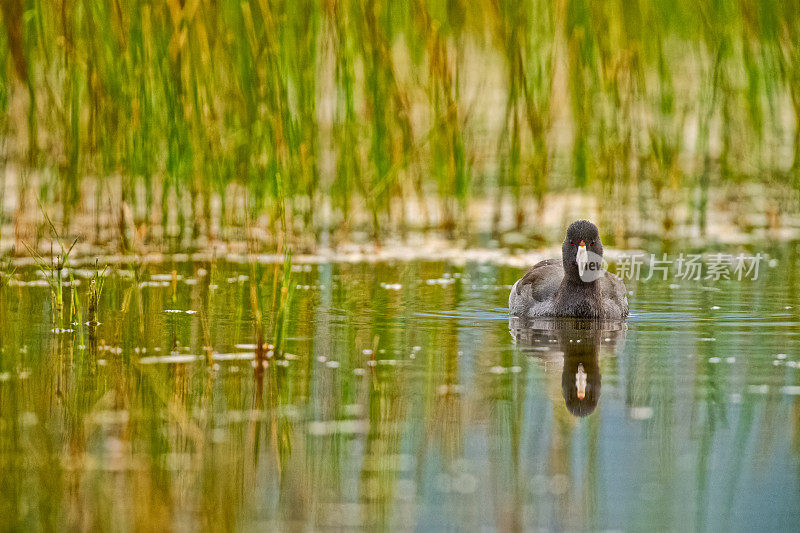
(580, 382)
(582, 259)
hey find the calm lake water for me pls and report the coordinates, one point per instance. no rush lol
(402, 397)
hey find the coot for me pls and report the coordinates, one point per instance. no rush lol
(577, 286)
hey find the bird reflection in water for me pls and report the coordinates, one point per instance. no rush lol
(576, 345)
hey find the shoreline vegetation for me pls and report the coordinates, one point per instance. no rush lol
(147, 127)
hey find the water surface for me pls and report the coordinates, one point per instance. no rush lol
(399, 395)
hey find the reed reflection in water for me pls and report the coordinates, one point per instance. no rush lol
(392, 395)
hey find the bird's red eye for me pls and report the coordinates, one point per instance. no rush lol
(592, 243)
(571, 243)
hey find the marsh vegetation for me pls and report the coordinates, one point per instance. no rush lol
(173, 123)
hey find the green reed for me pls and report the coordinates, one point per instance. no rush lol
(55, 272)
(335, 115)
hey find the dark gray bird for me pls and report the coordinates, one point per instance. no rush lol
(577, 286)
